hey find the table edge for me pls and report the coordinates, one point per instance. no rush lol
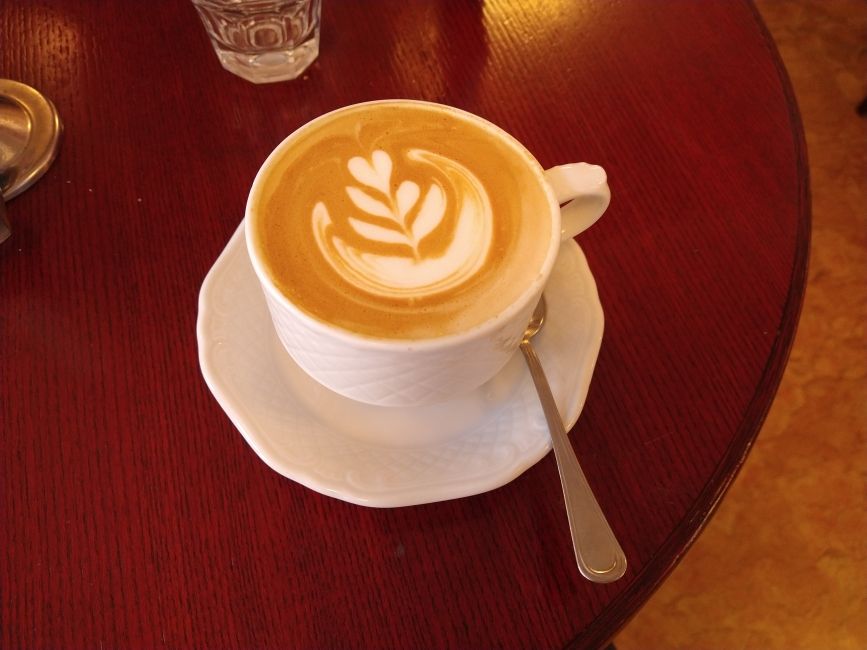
(628, 603)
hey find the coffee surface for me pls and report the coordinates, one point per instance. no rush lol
(400, 220)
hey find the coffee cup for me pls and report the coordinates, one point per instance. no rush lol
(402, 246)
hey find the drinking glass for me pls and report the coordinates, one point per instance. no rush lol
(263, 40)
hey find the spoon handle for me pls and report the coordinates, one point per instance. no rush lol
(597, 552)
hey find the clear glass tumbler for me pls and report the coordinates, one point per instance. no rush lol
(263, 40)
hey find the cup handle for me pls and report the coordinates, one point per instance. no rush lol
(583, 188)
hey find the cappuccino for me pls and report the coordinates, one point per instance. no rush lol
(402, 220)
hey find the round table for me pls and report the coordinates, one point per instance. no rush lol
(133, 512)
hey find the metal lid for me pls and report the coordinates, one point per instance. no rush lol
(29, 136)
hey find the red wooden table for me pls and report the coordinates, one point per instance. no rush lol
(134, 514)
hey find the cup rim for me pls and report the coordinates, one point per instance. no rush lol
(531, 293)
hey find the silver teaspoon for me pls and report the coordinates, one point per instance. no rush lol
(597, 552)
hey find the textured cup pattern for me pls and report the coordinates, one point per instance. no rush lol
(403, 376)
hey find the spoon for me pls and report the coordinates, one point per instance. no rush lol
(597, 552)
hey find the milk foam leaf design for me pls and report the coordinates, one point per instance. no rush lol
(375, 174)
(364, 201)
(376, 233)
(404, 217)
(407, 196)
(430, 214)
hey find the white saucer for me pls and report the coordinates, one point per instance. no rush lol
(387, 457)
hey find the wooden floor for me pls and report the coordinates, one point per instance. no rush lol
(783, 563)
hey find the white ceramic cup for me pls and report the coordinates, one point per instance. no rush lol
(409, 373)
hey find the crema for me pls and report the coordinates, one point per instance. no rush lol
(398, 220)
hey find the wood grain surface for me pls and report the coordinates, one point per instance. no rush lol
(133, 513)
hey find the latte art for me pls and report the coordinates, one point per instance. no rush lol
(454, 202)
(401, 220)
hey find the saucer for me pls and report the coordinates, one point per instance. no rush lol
(386, 456)
(30, 131)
